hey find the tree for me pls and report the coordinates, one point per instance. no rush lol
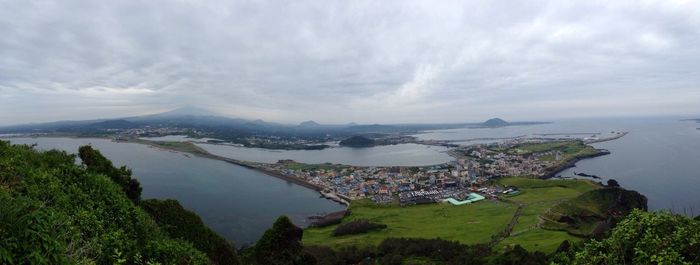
(643, 238)
(613, 183)
(97, 163)
(180, 223)
(281, 245)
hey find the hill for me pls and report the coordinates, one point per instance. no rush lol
(357, 141)
(113, 124)
(495, 122)
(594, 212)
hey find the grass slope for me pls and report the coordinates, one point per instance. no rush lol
(468, 224)
(537, 196)
(581, 215)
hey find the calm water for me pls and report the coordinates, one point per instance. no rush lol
(388, 155)
(238, 203)
(660, 157)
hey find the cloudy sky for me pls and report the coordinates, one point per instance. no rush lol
(341, 61)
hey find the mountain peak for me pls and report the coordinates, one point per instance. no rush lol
(309, 124)
(189, 111)
(495, 122)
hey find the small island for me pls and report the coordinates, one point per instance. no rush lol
(357, 141)
(495, 122)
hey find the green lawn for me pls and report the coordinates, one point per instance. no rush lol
(186, 147)
(543, 240)
(568, 149)
(538, 196)
(469, 224)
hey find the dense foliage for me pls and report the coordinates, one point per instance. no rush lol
(97, 163)
(357, 141)
(53, 211)
(430, 251)
(180, 223)
(642, 238)
(358, 226)
(281, 245)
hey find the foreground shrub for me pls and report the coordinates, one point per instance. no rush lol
(358, 226)
(642, 238)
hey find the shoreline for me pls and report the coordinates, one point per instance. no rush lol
(572, 163)
(205, 154)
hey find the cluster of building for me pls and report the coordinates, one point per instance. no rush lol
(463, 179)
(487, 161)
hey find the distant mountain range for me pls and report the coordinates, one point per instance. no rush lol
(200, 119)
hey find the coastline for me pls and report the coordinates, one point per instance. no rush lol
(205, 154)
(572, 163)
(189, 148)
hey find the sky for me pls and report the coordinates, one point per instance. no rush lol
(349, 61)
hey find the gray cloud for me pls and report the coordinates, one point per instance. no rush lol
(341, 61)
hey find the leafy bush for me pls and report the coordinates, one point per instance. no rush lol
(642, 238)
(97, 163)
(182, 224)
(358, 226)
(53, 211)
(281, 245)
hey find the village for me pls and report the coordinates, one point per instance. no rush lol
(463, 180)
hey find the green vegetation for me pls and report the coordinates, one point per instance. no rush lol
(96, 163)
(280, 245)
(536, 197)
(358, 226)
(468, 224)
(185, 147)
(592, 212)
(641, 238)
(568, 149)
(357, 141)
(53, 211)
(180, 223)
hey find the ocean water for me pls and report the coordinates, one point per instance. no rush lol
(660, 157)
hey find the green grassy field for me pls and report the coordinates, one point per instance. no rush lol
(185, 147)
(537, 196)
(543, 240)
(568, 149)
(468, 224)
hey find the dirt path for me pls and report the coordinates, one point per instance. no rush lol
(509, 229)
